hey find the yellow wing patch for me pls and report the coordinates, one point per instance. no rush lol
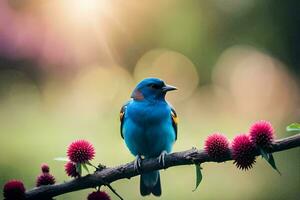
(174, 121)
(175, 118)
(121, 115)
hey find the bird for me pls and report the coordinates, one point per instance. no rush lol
(149, 128)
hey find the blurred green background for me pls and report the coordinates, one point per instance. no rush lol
(67, 66)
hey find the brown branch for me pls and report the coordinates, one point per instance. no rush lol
(109, 175)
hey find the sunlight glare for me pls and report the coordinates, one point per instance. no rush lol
(85, 9)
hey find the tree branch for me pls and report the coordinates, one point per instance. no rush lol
(109, 175)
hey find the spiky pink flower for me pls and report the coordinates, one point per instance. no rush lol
(243, 152)
(262, 134)
(70, 169)
(81, 151)
(45, 168)
(217, 147)
(98, 195)
(14, 190)
(45, 179)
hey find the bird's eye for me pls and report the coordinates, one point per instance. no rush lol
(154, 86)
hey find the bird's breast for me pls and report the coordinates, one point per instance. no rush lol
(148, 129)
(149, 113)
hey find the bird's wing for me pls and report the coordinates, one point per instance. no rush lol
(174, 121)
(122, 117)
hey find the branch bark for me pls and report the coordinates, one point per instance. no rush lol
(109, 175)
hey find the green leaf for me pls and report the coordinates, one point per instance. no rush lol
(63, 159)
(269, 158)
(293, 127)
(85, 167)
(198, 176)
(264, 154)
(90, 164)
(78, 168)
(271, 161)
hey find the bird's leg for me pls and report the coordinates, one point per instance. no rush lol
(137, 163)
(161, 158)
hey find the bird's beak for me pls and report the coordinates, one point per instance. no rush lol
(167, 88)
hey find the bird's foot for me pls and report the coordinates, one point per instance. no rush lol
(137, 163)
(161, 159)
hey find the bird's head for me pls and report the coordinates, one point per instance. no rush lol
(151, 89)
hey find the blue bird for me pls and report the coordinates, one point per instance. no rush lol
(149, 128)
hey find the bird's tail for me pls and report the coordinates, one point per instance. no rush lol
(150, 183)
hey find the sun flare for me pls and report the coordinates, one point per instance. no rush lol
(83, 10)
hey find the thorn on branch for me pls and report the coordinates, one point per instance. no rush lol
(100, 167)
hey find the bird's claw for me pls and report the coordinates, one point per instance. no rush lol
(137, 163)
(161, 159)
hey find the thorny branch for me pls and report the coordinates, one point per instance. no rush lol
(108, 175)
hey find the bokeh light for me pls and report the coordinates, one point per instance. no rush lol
(253, 76)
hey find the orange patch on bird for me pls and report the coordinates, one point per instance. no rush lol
(174, 117)
(137, 95)
(121, 115)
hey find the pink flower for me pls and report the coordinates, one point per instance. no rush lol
(45, 168)
(81, 151)
(262, 134)
(243, 152)
(99, 195)
(217, 146)
(70, 169)
(14, 190)
(45, 179)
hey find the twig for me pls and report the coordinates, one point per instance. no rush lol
(114, 191)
